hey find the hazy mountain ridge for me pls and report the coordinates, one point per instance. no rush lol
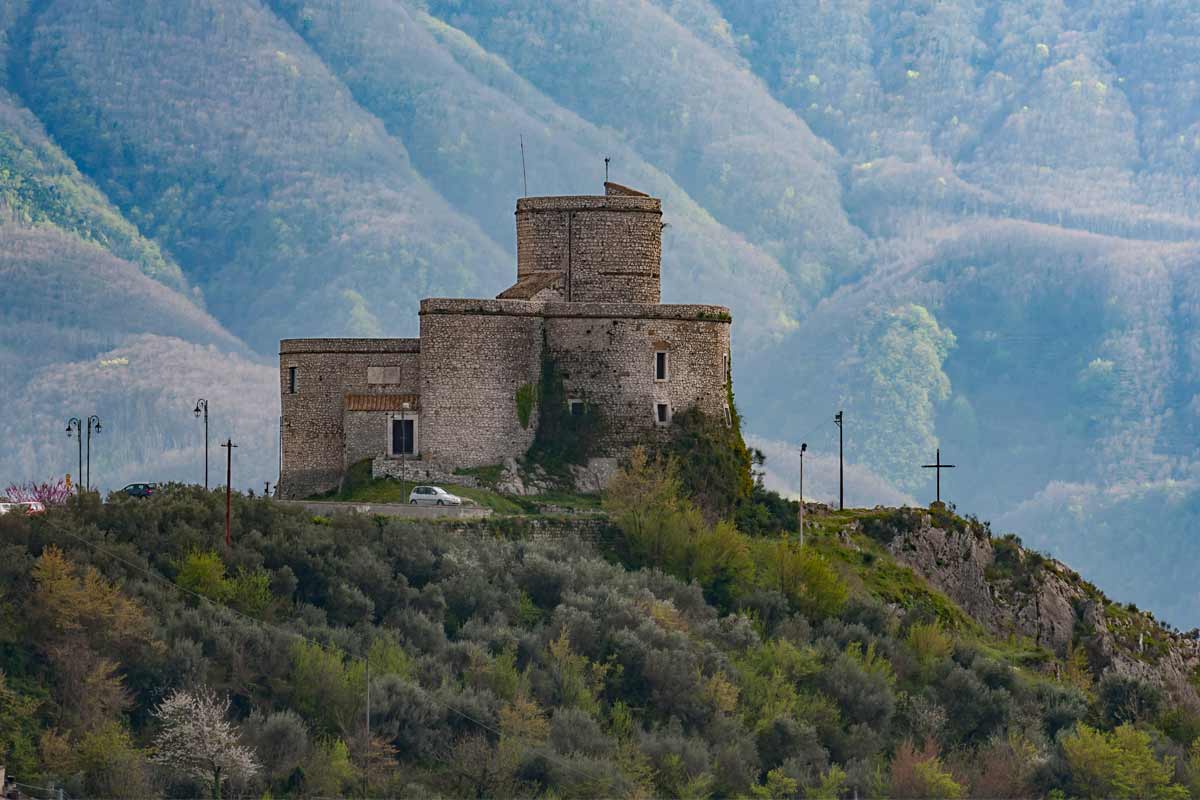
(983, 213)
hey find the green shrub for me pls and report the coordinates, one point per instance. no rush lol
(714, 462)
(929, 643)
(1118, 764)
(886, 526)
(203, 572)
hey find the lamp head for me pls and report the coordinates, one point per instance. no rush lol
(98, 426)
(803, 446)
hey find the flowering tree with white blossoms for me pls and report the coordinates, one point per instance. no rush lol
(197, 738)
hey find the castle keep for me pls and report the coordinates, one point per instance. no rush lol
(586, 298)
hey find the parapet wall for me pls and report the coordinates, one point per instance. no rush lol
(609, 248)
(313, 436)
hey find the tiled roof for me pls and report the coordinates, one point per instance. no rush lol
(530, 285)
(382, 402)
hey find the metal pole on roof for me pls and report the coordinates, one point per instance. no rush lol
(524, 178)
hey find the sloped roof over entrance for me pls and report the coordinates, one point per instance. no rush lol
(530, 285)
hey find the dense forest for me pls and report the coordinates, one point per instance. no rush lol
(969, 224)
(656, 650)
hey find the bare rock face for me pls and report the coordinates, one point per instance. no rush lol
(1009, 589)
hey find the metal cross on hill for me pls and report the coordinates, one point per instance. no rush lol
(939, 466)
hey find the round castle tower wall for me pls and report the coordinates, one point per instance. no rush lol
(607, 248)
(608, 357)
(476, 355)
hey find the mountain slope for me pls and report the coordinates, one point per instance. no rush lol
(686, 110)
(463, 115)
(292, 207)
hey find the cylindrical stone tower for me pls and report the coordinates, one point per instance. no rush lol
(608, 249)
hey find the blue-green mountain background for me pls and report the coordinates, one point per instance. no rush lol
(973, 225)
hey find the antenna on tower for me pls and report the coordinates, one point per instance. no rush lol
(606, 160)
(524, 179)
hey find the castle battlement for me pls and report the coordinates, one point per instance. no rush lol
(586, 297)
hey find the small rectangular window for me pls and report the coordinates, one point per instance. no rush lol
(725, 367)
(661, 366)
(728, 418)
(662, 413)
(576, 407)
(291, 380)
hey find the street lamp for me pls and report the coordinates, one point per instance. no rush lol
(202, 408)
(75, 428)
(837, 420)
(405, 443)
(93, 423)
(803, 447)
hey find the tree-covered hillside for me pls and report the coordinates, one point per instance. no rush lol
(970, 223)
(657, 655)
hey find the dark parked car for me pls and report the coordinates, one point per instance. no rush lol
(139, 489)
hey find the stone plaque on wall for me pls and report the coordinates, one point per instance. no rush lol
(383, 375)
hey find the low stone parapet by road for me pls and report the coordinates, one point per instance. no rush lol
(390, 509)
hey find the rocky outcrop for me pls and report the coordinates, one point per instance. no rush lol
(1012, 590)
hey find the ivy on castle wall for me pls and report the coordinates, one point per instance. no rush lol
(527, 398)
(563, 439)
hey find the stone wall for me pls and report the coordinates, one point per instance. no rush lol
(608, 247)
(475, 357)
(366, 434)
(313, 435)
(419, 471)
(609, 363)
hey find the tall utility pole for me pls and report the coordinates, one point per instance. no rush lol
(229, 445)
(93, 420)
(837, 420)
(406, 443)
(939, 466)
(367, 760)
(75, 428)
(803, 447)
(202, 408)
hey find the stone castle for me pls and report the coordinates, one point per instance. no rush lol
(586, 298)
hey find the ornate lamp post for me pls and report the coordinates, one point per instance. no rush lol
(93, 424)
(202, 409)
(75, 429)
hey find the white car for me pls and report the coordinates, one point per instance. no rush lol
(433, 496)
(7, 505)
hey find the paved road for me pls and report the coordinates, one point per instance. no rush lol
(391, 509)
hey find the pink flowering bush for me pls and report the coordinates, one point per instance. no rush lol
(49, 494)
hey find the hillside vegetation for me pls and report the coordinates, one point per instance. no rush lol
(669, 657)
(969, 224)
